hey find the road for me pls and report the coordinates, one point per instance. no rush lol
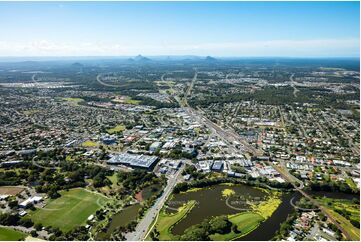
(230, 121)
(228, 135)
(142, 227)
(293, 84)
(189, 90)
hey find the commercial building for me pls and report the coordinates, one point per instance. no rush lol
(217, 166)
(136, 161)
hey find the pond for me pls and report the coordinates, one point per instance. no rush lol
(121, 218)
(210, 202)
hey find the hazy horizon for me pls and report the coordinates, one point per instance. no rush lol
(219, 29)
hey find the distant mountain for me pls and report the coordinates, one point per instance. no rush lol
(77, 64)
(210, 58)
(139, 58)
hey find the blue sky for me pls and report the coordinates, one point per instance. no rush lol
(294, 29)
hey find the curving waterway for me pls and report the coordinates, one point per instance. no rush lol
(210, 202)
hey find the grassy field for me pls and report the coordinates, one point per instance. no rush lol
(132, 101)
(116, 129)
(113, 187)
(246, 222)
(7, 234)
(167, 221)
(90, 143)
(72, 99)
(342, 204)
(114, 179)
(70, 210)
(31, 111)
(126, 100)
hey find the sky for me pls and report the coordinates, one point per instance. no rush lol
(224, 29)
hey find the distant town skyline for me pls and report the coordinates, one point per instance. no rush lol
(224, 29)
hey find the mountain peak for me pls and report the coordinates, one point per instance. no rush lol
(210, 58)
(141, 58)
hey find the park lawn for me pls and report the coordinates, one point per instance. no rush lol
(246, 222)
(114, 179)
(73, 99)
(116, 129)
(7, 234)
(113, 187)
(167, 221)
(90, 143)
(70, 210)
(132, 101)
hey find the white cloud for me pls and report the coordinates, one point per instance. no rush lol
(321, 47)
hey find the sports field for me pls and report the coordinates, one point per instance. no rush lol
(90, 143)
(7, 234)
(70, 210)
(116, 129)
